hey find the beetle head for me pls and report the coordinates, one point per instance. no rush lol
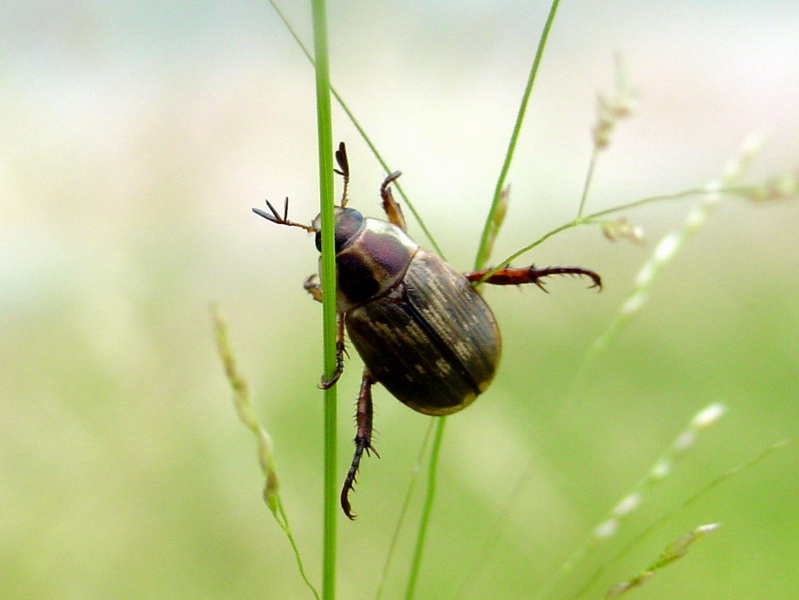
(348, 223)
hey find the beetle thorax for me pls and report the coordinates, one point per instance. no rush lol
(372, 261)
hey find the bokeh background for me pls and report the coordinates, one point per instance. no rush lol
(136, 136)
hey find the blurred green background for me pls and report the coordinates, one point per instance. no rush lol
(136, 136)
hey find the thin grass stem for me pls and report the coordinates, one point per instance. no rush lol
(432, 478)
(482, 251)
(362, 131)
(493, 221)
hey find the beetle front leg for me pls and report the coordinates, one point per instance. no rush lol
(515, 276)
(313, 288)
(341, 350)
(363, 439)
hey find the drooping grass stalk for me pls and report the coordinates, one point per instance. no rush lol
(247, 415)
(328, 280)
(767, 191)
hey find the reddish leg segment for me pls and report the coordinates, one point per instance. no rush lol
(363, 439)
(516, 276)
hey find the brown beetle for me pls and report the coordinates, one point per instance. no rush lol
(420, 326)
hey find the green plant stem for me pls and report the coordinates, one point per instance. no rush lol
(432, 474)
(482, 254)
(404, 510)
(486, 242)
(328, 280)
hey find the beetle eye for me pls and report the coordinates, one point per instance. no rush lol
(348, 223)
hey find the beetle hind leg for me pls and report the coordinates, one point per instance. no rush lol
(363, 439)
(516, 276)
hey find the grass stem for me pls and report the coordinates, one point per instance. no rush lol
(328, 279)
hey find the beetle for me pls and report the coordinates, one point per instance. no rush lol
(422, 329)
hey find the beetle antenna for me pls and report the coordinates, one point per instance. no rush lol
(275, 217)
(343, 170)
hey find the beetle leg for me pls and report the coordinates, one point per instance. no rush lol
(514, 276)
(313, 288)
(391, 206)
(363, 439)
(341, 350)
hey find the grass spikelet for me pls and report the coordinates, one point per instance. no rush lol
(674, 551)
(495, 220)
(612, 109)
(623, 229)
(609, 111)
(778, 188)
(245, 411)
(660, 469)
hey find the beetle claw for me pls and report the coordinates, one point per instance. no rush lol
(361, 444)
(328, 383)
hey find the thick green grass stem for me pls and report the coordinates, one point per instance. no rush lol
(432, 477)
(488, 232)
(328, 280)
